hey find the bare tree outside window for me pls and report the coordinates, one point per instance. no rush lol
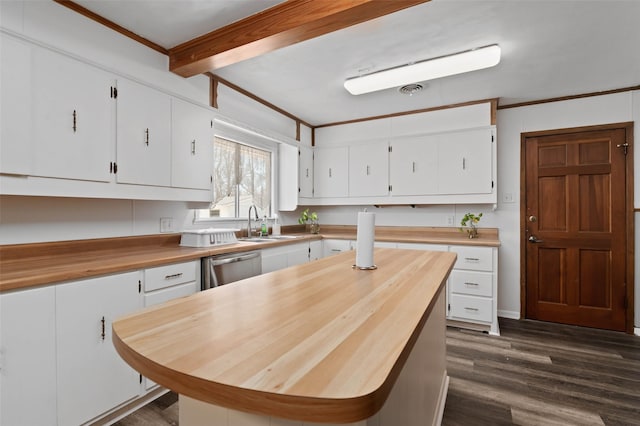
(241, 177)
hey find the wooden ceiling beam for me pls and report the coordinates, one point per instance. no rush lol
(285, 24)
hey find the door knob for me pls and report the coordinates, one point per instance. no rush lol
(535, 239)
(533, 219)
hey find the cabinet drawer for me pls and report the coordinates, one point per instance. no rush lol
(165, 294)
(470, 308)
(169, 275)
(473, 258)
(471, 282)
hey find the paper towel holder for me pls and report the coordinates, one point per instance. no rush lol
(365, 268)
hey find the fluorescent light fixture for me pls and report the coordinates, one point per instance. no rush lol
(457, 63)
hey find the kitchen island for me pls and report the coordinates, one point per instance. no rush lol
(320, 342)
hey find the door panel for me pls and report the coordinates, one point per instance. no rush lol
(575, 216)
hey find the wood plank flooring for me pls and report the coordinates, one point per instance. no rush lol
(535, 373)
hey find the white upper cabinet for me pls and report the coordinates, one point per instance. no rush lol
(144, 135)
(305, 172)
(287, 177)
(413, 166)
(465, 162)
(191, 145)
(369, 169)
(72, 118)
(331, 172)
(15, 107)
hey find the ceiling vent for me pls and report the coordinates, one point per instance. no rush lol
(410, 89)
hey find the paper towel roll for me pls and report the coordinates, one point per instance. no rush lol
(365, 239)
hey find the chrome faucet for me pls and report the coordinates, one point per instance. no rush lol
(255, 209)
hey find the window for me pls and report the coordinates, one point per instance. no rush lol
(241, 177)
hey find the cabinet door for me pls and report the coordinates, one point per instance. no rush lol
(369, 170)
(28, 357)
(15, 107)
(298, 254)
(315, 250)
(72, 118)
(331, 247)
(305, 170)
(92, 378)
(464, 160)
(413, 166)
(288, 177)
(191, 145)
(144, 135)
(331, 167)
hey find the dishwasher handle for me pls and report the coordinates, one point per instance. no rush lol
(234, 259)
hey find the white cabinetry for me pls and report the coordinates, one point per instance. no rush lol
(465, 162)
(281, 257)
(91, 377)
(369, 169)
(331, 172)
(191, 145)
(413, 166)
(315, 250)
(28, 357)
(15, 107)
(331, 247)
(72, 118)
(168, 282)
(143, 135)
(472, 289)
(305, 176)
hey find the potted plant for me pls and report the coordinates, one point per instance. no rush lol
(468, 224)
(311, 219)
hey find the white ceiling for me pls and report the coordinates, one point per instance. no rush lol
(549, 49)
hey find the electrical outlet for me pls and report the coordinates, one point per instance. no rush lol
(507, 197)
(166, 224)
(450, 220)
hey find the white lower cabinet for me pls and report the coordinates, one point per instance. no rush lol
(168, 282)
(473, 288)
(281, 257)
(28, 357)
(331, 247)
(315, 250)
(91, 377)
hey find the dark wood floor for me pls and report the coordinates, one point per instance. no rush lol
(535, 373)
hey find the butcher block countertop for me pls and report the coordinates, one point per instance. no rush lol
(316, 342)
(30, 265)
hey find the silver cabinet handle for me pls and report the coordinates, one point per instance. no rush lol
(329, 171)
(146, 136)
(368, 169)
(307, 175)
(464, 163)
(171, 277)
(471, 259)
(413, 166)
(103, 334)
(471, 309)
(193, 147)
(472, 284)
(75, 121)
(535, 239)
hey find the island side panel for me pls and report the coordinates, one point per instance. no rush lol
(417, 398)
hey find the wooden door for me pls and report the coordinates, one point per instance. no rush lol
(575, 227)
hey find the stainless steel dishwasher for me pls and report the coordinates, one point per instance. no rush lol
(227, 268)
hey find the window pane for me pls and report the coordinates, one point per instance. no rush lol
(224, 178)
(241, 177)
(255, 180)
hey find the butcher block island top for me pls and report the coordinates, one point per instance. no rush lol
(320, 342)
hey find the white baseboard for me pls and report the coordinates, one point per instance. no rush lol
(509, 314)
(636, 331)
